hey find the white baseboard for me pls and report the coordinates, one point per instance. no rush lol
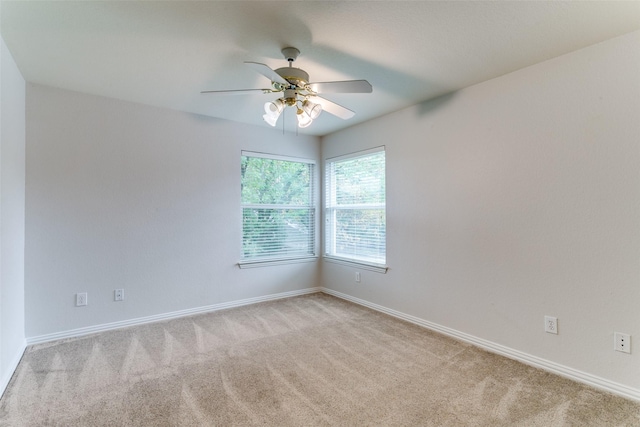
(547, 365)
(165, 316)
(6, 376)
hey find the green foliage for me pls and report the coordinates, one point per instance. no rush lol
(268, 181)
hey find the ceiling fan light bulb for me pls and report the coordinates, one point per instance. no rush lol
(312, 109)
(304, 119)
(270, 119)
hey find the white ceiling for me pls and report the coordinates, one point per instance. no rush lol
(164, 53)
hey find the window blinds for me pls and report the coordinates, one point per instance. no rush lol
(355, 213)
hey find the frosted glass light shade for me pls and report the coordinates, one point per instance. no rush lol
(304, 119)
(270, 119)
(274, 108)
(312, 109)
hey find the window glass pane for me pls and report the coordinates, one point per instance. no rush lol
(360, 180)
(355, 213)
(269, 181)
(278, 212)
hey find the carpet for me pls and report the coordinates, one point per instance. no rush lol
(313, 360)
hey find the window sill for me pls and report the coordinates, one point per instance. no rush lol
(378, 268)
(270, 262)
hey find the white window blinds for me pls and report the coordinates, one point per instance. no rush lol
(278, 207)
(355, 210)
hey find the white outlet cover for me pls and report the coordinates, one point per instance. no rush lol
(622, 342)
(551, 324)
(81, 299)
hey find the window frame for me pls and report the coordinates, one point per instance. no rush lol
(312, 207)
(329, 210)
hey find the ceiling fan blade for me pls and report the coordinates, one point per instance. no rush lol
(238, 91)
(333, 108)
(267, 72)
(347, 86)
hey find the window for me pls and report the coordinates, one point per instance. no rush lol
(278, 208)
(355, 214)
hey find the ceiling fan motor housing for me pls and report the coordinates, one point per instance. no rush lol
(295, 76)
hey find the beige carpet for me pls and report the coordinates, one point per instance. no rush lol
(313, 360)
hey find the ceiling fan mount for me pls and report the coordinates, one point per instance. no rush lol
(296, 91)
(290, 53)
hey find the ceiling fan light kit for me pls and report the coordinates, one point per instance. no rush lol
(296, 91)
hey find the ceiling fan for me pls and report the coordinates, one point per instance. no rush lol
(296, 91)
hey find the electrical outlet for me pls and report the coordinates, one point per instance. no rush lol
(81, 299)
(622, 342)
(118, 295)
(357, 276)
(551, 324)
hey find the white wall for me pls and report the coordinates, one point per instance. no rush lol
(12, 200)
(513, 199)
(121, 195)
